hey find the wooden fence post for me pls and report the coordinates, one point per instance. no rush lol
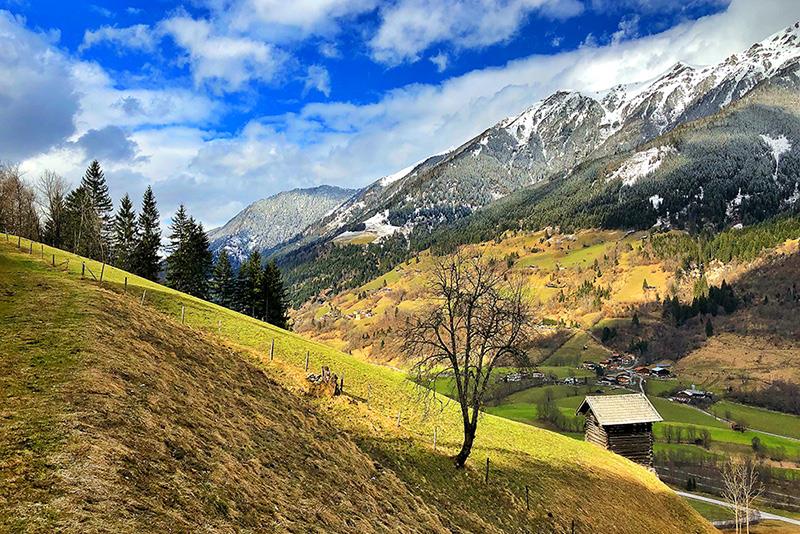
(272, 349)
(307, 357)
(527, 498)
(19, 242)
(54, 260)
(183, 313)
(487, 470)
(83, 269)
(102, 269)
(126, 284)
(573, 526)
(31, 249)
(143, 294)
(219, 326)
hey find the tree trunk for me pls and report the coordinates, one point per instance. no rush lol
(466, 447)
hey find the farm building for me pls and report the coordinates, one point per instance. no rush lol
(622, 424)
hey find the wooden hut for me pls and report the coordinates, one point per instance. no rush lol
(622, 424)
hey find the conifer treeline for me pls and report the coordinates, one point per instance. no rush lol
(82, 221)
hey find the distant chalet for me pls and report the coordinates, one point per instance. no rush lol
(622, 424)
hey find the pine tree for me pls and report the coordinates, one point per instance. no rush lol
(147, 247)
(247, 285)
(709, 328)
(125, 236)
(274, 295)
(53, 190)
(78, 219)
(94, 182)
(178, 261)
(199, 259)
(55, 223)
(223, 283)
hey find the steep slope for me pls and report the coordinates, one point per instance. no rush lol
(120, 418)
(269, 222)
(116, 420)
(737, 167)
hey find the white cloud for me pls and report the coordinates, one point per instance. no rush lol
(409, 27)
(319, 79)
(628, 29)
(222, 61)
(440, 60)
(37, 99)
(329, 50)
(103, 104)
(279, 20)
(350, 144)
(136, 37)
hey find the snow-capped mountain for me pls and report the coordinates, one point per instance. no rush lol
(553, 137)
(269, 222)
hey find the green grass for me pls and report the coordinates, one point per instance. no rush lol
(675, 412)
(578, 256)
(36, 366)
(657, 388)
(759, 418)
(572, 352)
(710, 511)
(564, 475)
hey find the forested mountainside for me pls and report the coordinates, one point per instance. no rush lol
(735, 166)
(588, 280)
(267, 223)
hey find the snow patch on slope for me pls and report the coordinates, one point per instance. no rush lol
(656, 201)
(387, 180)
(641, 164)
(779, 146)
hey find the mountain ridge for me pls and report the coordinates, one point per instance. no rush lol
(268, 222)
(557, 133)
(691, 174)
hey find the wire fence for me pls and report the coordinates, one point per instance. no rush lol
(549, 521)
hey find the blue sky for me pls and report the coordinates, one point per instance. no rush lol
(217, 103)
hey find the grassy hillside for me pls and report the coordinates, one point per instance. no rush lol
(584, 283)
(117, 417)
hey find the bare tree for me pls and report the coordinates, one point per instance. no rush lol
(52, 189)
(17, 203)
(479, 318)
(741, 488)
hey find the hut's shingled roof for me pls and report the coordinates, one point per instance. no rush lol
(620, 409)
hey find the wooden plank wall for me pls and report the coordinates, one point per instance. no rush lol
(634, 442)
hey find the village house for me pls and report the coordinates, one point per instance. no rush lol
(693, 396)
(660, 372)
(622, 424)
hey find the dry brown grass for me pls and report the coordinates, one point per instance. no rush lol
(159, 428)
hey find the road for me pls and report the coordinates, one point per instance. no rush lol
(764, 515)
